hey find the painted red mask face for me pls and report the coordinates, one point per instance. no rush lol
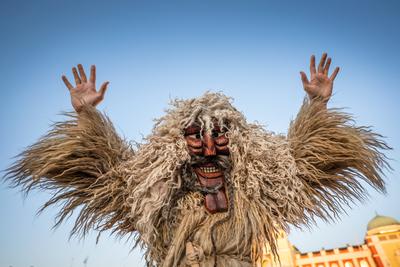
(206, 147)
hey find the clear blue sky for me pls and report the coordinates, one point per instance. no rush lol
(152, 51)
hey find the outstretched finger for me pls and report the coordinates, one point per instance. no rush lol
(103, 89)
(328, 64)
(82, 73)
(312, 67)
(304, 78)
(322, 63)
(67, 83)
(76, 76)
(93, 74)
(335, 72)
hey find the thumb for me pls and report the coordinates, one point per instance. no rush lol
(304, 78)
(103, 89)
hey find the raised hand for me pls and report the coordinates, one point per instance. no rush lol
(320, 84)
(85, 91)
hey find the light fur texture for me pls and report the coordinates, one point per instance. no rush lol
(83, 166)
(277, 181)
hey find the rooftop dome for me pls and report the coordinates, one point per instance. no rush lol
(379, 221)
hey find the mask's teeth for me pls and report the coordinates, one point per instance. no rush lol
(209, 169)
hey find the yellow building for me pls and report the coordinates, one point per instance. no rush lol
(380, 249)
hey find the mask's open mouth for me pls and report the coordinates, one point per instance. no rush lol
(209, 170)
(211, 177)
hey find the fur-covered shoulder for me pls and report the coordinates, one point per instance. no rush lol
(333, 157)
(82, 161)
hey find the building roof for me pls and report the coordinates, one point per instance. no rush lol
(379, 221)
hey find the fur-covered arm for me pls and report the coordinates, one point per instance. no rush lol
(82, 161)
(333, 156)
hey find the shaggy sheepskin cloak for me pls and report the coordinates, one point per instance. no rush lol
(276, 181)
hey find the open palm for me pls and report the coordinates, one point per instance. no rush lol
(85, 91)
(320, 84)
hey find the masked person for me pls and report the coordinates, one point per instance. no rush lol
(206, 187)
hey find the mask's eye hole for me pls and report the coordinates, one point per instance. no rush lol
(195, 135)
(216, 134)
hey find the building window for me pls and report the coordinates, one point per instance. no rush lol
(320, 265)
(348, 264)
(334, 264)
(382, 238)
(364, 263)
